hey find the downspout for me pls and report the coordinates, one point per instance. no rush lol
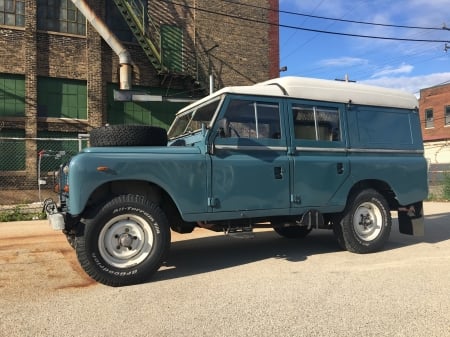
(126, 67)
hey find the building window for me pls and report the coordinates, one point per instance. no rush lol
(60, 16)
(447, 115)
(12, 95)
(429, 119)
(12, 13)
(62, 98)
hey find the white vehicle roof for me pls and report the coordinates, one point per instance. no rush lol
(322, 90)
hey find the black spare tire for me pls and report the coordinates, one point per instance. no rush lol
(128, 135)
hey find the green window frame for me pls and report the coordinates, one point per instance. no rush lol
(62, 98)
(12, 13)
(12, 95)
(60, 16)
(12, 150)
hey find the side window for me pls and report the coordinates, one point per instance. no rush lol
(316, 123)
(253, 119)
(429, 119)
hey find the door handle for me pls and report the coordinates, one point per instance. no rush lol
(278, 172)
(340, 168)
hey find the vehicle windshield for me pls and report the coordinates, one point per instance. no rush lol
(192, 120)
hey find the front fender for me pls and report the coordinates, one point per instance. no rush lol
(181, 173)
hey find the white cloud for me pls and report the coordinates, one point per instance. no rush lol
(343, 62)
(411, 84)
(389, 70)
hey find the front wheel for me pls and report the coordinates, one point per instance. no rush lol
(366, 223)
(125, 242)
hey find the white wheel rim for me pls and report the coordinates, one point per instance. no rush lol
(126, 240)
(367, 221)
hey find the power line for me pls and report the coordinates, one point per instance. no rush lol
(306, 29)
(335, 19)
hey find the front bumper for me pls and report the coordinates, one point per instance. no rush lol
(55, 217)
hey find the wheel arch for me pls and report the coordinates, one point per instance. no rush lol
(151, 191)
(380, 186)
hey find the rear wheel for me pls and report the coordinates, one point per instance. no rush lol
(366, 223)
(125, 243)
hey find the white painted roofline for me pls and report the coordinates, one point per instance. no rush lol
(321, 90)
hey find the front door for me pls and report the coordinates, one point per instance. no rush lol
(250, 166)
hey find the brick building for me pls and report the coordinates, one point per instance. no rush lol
(59, 78)
(434, 106)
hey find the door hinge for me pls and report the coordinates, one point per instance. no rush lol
(296, 199)
(213, 202)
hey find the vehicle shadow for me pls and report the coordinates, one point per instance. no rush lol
(203, 255)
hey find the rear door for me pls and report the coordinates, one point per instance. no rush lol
(320, 162)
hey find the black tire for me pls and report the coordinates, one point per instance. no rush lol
(125, 243)
(366, 223)
(293, 232)
(128, 135)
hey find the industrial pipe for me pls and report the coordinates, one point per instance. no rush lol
(124, 55)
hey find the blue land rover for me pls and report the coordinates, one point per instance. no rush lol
(294, 154)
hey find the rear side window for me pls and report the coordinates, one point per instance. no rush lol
(316, 123)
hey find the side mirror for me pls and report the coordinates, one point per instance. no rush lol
(223, 130)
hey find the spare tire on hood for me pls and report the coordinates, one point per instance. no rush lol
(128, 135)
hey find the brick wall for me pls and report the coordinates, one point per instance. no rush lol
(247, 52)
(436, 98)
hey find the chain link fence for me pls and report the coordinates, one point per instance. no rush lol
(28, 165)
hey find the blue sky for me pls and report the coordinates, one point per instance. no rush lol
(396, 64)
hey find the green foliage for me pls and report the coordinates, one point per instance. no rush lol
(19, 214)
(446, 187)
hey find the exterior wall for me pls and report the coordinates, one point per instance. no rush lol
(247, 53)
(437, 138)
(247, 50)
(436, 98)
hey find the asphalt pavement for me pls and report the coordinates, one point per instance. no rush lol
(213, 285)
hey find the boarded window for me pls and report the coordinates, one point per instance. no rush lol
(62, 98)
(172, 47)
(12, 148)
(12, 95)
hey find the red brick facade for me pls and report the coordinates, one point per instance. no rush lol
(436, 99)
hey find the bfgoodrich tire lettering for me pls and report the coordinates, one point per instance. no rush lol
(366, 223)
(125, 243)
